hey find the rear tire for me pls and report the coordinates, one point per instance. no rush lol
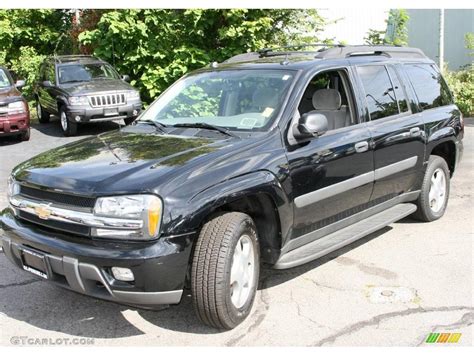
(225, 270)
(129, 120)
(43, 116)
(434, 195)
(69, 128)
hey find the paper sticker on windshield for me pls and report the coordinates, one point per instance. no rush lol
(267, 112)
(248, 122)
(286, 77)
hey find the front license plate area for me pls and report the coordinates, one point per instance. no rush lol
(34, 262)
(110, 112)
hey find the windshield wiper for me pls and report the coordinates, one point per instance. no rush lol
(223, 130)
(160, 126)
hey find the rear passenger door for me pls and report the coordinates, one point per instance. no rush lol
(397, 132)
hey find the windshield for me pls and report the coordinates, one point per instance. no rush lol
(72, 73)
(234, 99)
(4, 79)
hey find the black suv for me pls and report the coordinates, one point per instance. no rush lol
(275, 157)
(84, 89)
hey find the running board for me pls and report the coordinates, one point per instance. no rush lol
(343, 237)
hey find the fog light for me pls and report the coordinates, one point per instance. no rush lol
(135, 112)
(78, 118)
(122, 274)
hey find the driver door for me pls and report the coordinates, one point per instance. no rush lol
(331, 175)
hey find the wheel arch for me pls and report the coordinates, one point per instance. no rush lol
(445, 149)
(257, 194)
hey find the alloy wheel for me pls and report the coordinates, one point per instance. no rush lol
(242, 274)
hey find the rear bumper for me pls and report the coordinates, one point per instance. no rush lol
(14, 124)
(83, 264)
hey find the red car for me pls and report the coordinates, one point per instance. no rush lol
(14, 111)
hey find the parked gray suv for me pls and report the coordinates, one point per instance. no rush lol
(84, 89)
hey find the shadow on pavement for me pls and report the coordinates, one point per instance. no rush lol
(49, 307)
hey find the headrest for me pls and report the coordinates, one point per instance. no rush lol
(327, 99)
(264, 98)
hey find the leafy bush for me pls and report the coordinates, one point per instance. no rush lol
(461, 84)
(26, 67)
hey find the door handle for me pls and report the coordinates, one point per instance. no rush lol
(361, 147)
(415, 131)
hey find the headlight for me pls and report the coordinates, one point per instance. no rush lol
(16, 107)
(147, 208)
(133, 95)
(78, 100)
(13, 188)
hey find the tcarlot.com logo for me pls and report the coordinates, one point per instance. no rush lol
(443, 337)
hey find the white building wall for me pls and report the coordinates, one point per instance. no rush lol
(353, 24)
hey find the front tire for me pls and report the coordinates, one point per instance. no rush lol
(69, 128)
(129, 120)
(434, 195)
(225, 270)
(25, 136)
(43, 116)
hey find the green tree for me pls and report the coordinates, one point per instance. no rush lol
(26, 36)
(156, 47)
(397, 31)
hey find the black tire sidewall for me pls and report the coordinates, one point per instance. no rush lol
(435, 162)
(237, 315)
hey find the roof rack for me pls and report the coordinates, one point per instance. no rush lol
(364, 50)
(332, 51)
(61, 58)
(266, 52)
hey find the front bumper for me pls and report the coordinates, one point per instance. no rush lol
(98, 114)
(14, 124)
(83, 264)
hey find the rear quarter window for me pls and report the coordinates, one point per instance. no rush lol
(430, 87)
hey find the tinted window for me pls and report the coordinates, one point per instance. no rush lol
(429, 85)
(379, 92)
(399, 91)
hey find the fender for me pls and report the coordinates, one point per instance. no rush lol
(61, 100)
(192, 215)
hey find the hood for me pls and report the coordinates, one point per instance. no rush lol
(9, 94)
(134, 159)
(94, 86)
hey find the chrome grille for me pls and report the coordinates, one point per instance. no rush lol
(107, 100)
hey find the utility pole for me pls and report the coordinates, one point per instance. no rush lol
(441, 39)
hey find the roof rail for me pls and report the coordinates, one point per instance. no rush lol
(332, 51)
(364, 50)
(59, 58)
(265, 52)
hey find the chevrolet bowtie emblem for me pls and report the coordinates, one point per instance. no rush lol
(43, 211)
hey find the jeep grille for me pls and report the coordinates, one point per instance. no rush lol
(107, 100)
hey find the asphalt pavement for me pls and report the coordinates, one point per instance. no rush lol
(394, 287)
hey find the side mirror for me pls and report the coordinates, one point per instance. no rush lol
(47, 84)
(126, 78)
(310, 125)
(19, 84)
